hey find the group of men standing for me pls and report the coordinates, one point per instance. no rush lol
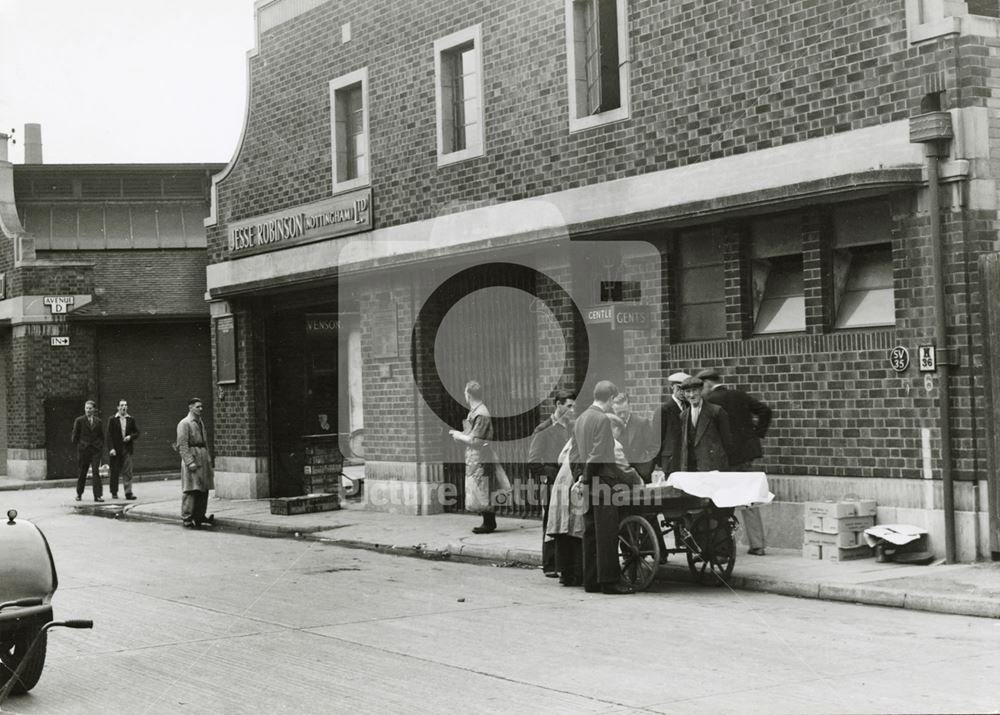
(89, 435)
(197, 477)
(703, 426)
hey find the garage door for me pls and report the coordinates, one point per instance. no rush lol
(156, 368)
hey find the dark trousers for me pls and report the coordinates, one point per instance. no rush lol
(569, 559)
(193, 506)
(121, 466)
(88, 458)
(600, 544)
(548, 547)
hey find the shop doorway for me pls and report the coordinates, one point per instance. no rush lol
(314, 388)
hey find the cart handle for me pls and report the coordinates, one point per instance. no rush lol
(16, 675)
(22, 603)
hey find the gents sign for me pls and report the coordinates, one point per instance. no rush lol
(621, 316)
(329, 218)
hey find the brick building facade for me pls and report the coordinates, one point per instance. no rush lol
(123, 248)
(484, 190)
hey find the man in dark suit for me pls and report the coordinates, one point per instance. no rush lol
(122, 432)
(749, 419)
(594, 449)
(637, 437)
(668, 425)
(88, 436)
(547, 442)
(706, 438)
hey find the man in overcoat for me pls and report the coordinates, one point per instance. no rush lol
(122, 433)
(749, 419)
(594, 450)
(706, 438)
(547, 442)
(88, 436)
(197, 477)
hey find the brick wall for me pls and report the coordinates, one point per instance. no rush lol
(708, 80)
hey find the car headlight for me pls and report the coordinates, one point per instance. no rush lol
(11, 515)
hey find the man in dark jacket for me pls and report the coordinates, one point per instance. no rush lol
(547, 442)
(705, 435)
(122, 433)
(749, 419)
(637, 437)
(594, 449)
(668, 425)
(88, 436)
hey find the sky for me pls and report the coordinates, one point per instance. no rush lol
(125, 81)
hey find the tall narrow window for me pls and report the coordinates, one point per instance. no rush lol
(349, 107)
(862, 266)
(702, 286)
(459, 96)
(597, 43)
(779, 301)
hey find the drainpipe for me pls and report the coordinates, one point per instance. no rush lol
(933, 130)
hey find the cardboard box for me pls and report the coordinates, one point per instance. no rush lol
(845, 539)
(839, 525)
(840, 509)
(814, 522)
(812, 551)
(850, 554)
(308, 504)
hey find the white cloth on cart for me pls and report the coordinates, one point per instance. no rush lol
(725, 489)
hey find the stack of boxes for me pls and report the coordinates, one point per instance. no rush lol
(322, 470)
(835, 530)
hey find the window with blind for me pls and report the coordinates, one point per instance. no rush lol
(862, 266)
(779, 302)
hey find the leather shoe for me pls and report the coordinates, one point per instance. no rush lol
(98, 499)
(189, 524)
(616, 589)
(78, 497)
(130, 497)
(483, 530)
(114, 496)
(551, 574)
(592, 589)
(756, 552)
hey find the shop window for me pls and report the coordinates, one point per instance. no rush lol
(597, 50)
(862, 266)
(459, 93)
(349, 105)
(776, 270)
(701, 282)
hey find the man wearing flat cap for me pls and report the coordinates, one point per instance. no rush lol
(705, 435)
(668, 424)
(749, 419)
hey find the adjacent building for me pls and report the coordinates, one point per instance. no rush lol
(539, 195)
(102, 296)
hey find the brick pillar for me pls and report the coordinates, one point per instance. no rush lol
(240, 441)
(738, 281)
(817, 252)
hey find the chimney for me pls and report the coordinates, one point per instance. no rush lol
(32, 143)
(3, 145)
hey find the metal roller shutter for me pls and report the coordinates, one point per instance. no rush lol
(156, 368)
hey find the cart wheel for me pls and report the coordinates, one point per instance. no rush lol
(711, 548)
(638, 551)
(12, 652)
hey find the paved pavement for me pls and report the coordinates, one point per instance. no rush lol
(961, 589)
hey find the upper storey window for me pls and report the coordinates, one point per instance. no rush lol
(776, 271)
(862, 265)
(597, 51)
(349, 106)
(459, 92)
